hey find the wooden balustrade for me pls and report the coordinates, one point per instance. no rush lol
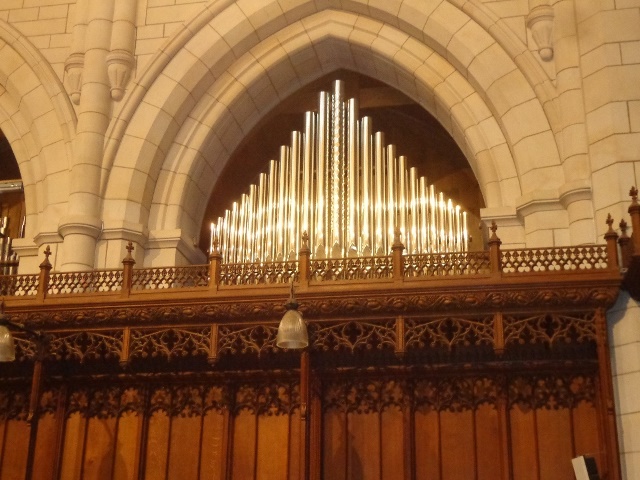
(397, 268)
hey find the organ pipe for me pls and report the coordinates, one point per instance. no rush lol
(342, 185)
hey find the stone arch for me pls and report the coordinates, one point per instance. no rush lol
(222, 78)
(39, 123)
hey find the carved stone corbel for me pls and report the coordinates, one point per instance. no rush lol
(73, 69)
(540, 22)
(119, 66)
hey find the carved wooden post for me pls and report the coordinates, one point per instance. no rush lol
(215, 263)
(504, 426)
(634, 211)
(33, 418)
(400, 343)
(212, 358)
(126, 342)
(397, 260)
(612, 245)
(498, 334)
(127, 275)
(304, 414)
(607, 413)
(494, 251)
(625, 246)
(304, 261)
(315, 429)
(43, 279)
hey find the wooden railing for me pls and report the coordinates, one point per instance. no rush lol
(397, 267)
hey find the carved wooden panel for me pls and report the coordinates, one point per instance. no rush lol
(447, 264)
(438, 425)
(170, 277)
(258, 273)
(85, 282)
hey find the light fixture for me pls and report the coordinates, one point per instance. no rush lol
(7, 347)
(7, 342)
(292, 331)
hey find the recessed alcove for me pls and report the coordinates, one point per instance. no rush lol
(415, 133)
(12, 206)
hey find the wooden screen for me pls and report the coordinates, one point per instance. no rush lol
(417, 427)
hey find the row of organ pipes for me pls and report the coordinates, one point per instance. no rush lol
(346, 189)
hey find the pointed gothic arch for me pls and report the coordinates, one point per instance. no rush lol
(216, 79)
(39, 123)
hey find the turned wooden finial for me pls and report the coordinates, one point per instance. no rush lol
(130, 248)
(46, 263)
(633, 193)
(128, 261)
(494, 229)
(623, 228)
(610, 222)
(397, 237)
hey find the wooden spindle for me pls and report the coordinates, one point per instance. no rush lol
(45, 272)
(127, 275)
(494, 251)
(612, 245)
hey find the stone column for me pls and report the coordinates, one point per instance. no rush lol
(81, 226)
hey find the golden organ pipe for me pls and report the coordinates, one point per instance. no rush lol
(282, 202)
(261, 216)
(336, 170)
(413, 216)
(294, 183)
(320, 175)
(273, 205)
(424, 225)
(458, 229)
(367, 202)
(392, 200)
(251, 224)
(402, 196)
(308, 141)
(353, 178)
(465, 232)
(379, 194)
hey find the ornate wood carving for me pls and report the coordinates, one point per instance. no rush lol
(460, 393)
(170, 277)
(487, 335)
(258, 273)
(552, 391)
(354, 336)
(447, 264)
(85, 282)
(554, 259)
(243, 339)
(169, 343)
(449, 332)
(549, 329)
(83, 346)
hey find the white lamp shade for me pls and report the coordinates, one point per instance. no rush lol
(7, 347)
(292, 332)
